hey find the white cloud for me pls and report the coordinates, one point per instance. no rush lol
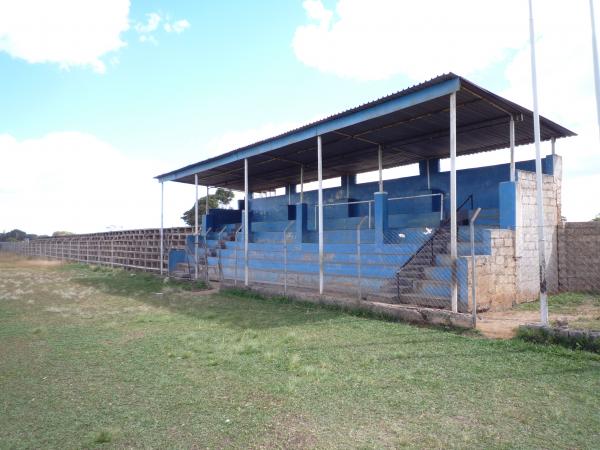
(377, 39)
(178, 26)
(152, 24)
(240, 138)
(566, 95)
(67, 32)
(148, 30)
(76, 182)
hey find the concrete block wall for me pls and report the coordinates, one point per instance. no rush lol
(579, 256)
(526, 233)
(495, 273)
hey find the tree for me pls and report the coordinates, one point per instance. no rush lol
(597, 218)
(62, 233)
(13, 236)
(222, 197)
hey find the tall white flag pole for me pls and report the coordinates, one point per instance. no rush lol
(596, 68)
(538, 176)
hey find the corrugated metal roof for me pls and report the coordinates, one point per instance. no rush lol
(417, 130)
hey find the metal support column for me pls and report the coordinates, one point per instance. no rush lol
(473, 267)
(453, 231)
(207, 197)
(246, 223)
(196, 229)
(512, 148)
(538, 177)
(162, 202)
(302, 183)
(380, 158)
(553, 142)
(320, 200)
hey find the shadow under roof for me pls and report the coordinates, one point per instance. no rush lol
(411, 125)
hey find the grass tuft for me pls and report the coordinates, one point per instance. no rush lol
(103, 437)
(544, 336)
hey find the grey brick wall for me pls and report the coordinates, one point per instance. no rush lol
(579, 256)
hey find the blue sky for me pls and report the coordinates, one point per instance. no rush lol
(106, 97)
(234, 68)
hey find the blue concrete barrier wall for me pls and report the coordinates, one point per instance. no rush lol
(482, 182)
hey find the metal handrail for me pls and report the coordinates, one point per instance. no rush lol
(346, 203)
(424, 195)
(430, 241)
(472, 220)
(285, 255)
(220, 265)
(206, 253)
(235, 239)
(358, 258)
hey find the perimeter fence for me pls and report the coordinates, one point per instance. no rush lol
(132, 249)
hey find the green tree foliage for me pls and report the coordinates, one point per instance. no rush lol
(62, 233)
(597, 218)
(13, 236)
(222, 197)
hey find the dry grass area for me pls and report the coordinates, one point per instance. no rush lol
(93, 357)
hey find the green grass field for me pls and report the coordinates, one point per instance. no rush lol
(582, 310)
(94, 358)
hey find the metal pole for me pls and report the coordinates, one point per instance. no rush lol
(380, 158)
(285, 262)
(539, 180)
(207, 195)
(320, 200)
(196, 228)
(246, 223)
(302, 183)
(512, 148)
(453, 237)
(553, 142)
(358, 259)
(428, 176)
(162, 203)
(473, 270)
(596, 65)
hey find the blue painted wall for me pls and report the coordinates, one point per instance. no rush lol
(482, 182)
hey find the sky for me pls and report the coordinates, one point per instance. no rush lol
(99, 97)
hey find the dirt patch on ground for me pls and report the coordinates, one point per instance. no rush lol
(15, 261)
(504, 324)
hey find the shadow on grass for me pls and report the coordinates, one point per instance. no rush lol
(239, 309)
(235, 308)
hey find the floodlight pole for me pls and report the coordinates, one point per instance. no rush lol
(596, 64)
(320, 200)
(453, 212)
(162, 202)
(246, 224)
(196, 229)
(380, 159)
(538, 177)
(512, 149)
